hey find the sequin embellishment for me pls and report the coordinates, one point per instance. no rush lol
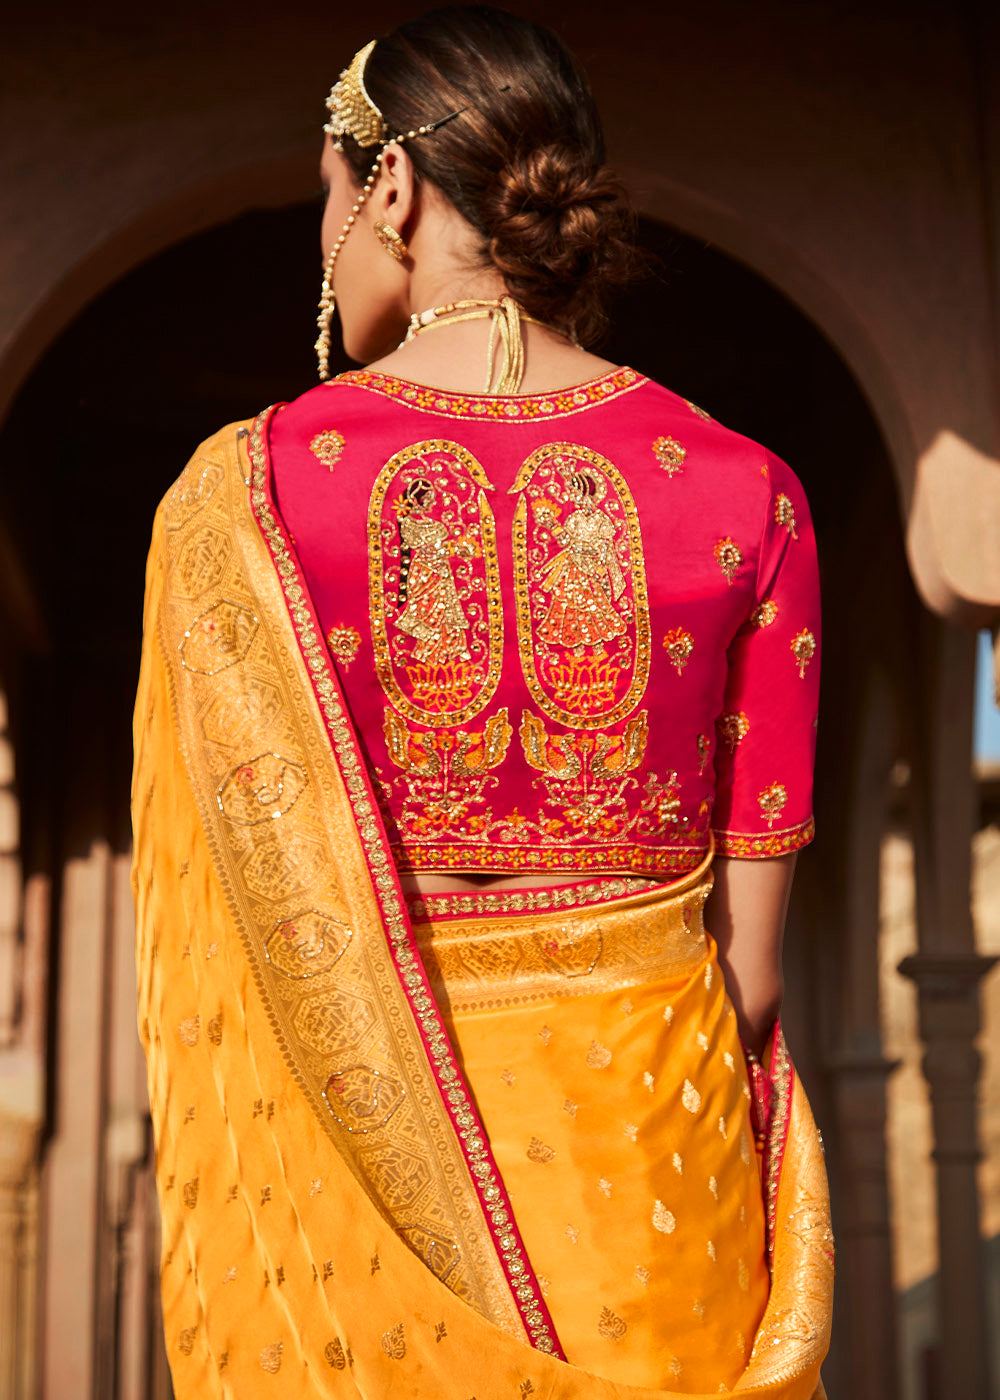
(729, 557)
(328, 447)
(670, 454)
(772, 802)
(803, 646)
(678, 645)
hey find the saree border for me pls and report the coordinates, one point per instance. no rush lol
(490, 1192)
(782, 1076)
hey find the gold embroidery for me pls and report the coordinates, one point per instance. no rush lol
(572, 1234)
(728, 1061)
(270, 1358)
(670, 454)
(642, 1274)
(328, 447)
(510, 408)
(604, 1186)
(598, 1056)
(189, 1114)
(690, 1097)
(631, 1131)
(334, 1353)
(772, 801)
(185, 1340)
(545, 1035)
(803, 646)
(218, 638)
(214, 1029)
(702, 743)
(708, 977)
(189, 1191)
(434, 584)
(527, 901)
(440, 1331)
(679, 645)
(446, 777)
(698, 1309)
(648, 1080)
(765, 613)
(265, 1195)
(743, 1276)
(508, 1076)
(306, 944)
(702, 1040)
(582, 610)
(678, 1164)
(394, 1342)
(261, 789)
(713, 1186)
(663, 1220)
(668, 1014)
(729, 557)
(526, 1389)
(362, 1098)
(722, 1127)
(570, 1107)
(315, 1186)
(711, 1250)
(776, 843)
(191, 492)
(344, 642)
(611, 1326)
(230, 1274)
(675, 1366)
(189, 1030)
(538, 1151)
(232, 1194)
(784, 514)
(700, 411)
(734, 728)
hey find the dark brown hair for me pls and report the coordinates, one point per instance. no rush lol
(523, 163)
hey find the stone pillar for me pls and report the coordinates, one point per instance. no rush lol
(947, 971)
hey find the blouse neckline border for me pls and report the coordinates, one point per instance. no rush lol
(558, 403)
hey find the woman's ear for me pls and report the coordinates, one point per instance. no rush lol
(394, 195)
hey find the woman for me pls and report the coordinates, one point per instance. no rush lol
(457, 671)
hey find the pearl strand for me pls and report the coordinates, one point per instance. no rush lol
(327, 301)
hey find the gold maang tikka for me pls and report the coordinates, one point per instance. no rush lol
(353, 112)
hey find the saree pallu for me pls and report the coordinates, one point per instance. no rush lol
(495, 1152)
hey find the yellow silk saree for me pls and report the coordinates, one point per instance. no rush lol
(496, 1146)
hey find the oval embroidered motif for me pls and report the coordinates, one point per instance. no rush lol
(580, 587)
(434, 584)
(306, 944)
(260, 789)
(361, 1098)
(218, 638)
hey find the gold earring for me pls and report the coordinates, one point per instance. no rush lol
(390, 240)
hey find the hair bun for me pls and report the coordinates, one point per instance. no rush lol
(554, 224)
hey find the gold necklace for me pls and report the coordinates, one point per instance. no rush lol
(505, 315)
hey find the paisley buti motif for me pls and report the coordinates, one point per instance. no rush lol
(434, 584)
(670, 454)
(678, 644)
(610, 1325)
(803, 646)
(728, 556)
(328, 446)
(734, 727)
(218, 638)
(344, 642)
(784, 514)
(772, 801)
(580, 587)
(764, 613)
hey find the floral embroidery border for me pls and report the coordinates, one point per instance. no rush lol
(652, 861)
(455, 1097)
(509, 408)
(768, 843)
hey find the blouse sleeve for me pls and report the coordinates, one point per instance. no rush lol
(766, 739)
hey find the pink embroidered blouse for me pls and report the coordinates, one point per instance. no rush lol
(576, 631)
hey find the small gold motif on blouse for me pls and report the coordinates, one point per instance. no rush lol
(598, 1056)
(734, 727)
(765, 613)
(611, 1326)
(679, 645)
(784, 514)
(343, 642)
(394, 1342)
(690, 1097)
(670, 454)
(803, 646)
(729, 557)
(772, 802)
(539, 1151)
(327, 447)
(702, 742)
(663, 1220)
